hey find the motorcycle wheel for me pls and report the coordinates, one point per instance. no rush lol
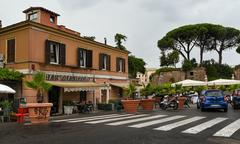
(164, 107)
(175, 107)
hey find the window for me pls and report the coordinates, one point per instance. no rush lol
(32, 16)
(191, 73)
(120, 65)
(84, 58)
(104, 62)
(52, 19)
(54, 53)
(11, 51)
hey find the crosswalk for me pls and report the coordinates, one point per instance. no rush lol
(161, 122)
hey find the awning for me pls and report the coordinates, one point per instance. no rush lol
(78, 86)
(120, 85)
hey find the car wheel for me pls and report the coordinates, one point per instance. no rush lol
(198, 107)
(202, 109)
(225, 110)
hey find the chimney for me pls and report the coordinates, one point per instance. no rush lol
(0, 24)
(105, 41)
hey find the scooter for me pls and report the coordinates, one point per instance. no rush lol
(169, 102)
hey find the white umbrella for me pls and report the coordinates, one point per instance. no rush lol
(6, 89)
(223, 82)
(189, 82)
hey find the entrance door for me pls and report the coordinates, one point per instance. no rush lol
(53, 97)
(83, 96)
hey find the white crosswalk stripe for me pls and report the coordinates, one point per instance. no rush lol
(115, 119)
(97, 118)
(229, 130)
(135, 120)
(178, 124)
(203, 126)
(145, 124)
(101, 116)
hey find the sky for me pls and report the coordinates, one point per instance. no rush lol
(144, 22)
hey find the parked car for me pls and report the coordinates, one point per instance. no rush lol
(212, 99)
(236, 99)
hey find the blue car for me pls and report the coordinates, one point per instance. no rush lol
(212, 99)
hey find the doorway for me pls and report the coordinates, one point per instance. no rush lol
(53, 97)
(83, 96)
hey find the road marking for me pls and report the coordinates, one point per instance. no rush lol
(115, 119)
(177, 124)
(145, 124)
(98, 118)
(203, 126)
(229, 129)
(63, 120)
(135, 120)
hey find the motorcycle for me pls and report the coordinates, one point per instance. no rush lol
(169, 102)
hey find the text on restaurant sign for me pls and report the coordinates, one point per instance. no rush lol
(54, 77)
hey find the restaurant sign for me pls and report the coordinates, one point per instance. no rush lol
(68, 77)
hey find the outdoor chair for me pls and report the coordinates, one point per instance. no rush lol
(21, 113)
(6, 114)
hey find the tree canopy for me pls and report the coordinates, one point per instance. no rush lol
(206, 37)
(119, 38)
(135, 65)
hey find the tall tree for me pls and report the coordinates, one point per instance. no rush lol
(135, 65)
(182, 39)
(163, 59)
(171, 59)
(119, 38)
(224, 38)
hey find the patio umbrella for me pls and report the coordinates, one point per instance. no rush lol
(223, 82)
(6, 89)
(189, 82)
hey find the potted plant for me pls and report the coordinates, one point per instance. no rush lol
(130, 105)
(147, 103)
(7, 108)
(68, 107)
(39, 112)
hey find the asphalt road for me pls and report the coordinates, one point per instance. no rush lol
(166, 127)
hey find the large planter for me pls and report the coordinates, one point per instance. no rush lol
(147, 104)
(130, 106)
(39, 112)
(68, 110)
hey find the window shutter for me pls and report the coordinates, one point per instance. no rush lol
(47, 52)
(78, 56)
(124, 65)
(11, 50)
(108, 62)
(89, 58)
(117, 65)
(100, 61)
(62, 54)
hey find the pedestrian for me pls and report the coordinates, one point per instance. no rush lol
(186, 103)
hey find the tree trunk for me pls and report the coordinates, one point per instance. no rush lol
(188, 56)
(201, 56)
(39, 96)
(220, 57)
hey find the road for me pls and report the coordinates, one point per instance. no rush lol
(167, 127)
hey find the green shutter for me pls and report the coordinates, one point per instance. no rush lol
(47, 52)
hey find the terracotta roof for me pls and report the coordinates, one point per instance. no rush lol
(40, 8)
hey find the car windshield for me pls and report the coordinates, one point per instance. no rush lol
(213, 93)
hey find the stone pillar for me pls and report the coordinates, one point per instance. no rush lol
(108, 95)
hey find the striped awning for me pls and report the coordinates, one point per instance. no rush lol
(78, 86)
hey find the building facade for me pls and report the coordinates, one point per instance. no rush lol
(145, 78)
(79, 69)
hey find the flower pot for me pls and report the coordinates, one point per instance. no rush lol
(130, 106)
(39, 112)
(147, 104)
(68, 110)
(181, 101)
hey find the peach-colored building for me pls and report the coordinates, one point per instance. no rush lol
(79, 69)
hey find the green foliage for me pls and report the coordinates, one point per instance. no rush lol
(189, 65)
(147, 90)
(216, 71)
(68, 103)
(238, 50)
(7, 74)
(166, 69)
(135, 65)
(6, 105)
(118, 39)
(198, 89)
(39, 84)
(130, 91)
(171, 59)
